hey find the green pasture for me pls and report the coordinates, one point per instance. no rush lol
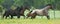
(37, 20)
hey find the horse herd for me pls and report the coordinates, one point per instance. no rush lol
(19, 11)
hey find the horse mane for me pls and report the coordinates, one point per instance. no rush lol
(49, 5)
(19, 8)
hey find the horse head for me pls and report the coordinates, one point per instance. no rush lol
(50, 6)
(27, 7)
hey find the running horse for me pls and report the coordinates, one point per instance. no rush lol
(40, 12)
(19, 11)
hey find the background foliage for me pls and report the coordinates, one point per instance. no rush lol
(34, 3)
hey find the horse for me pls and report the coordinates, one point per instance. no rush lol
(29, 14)
(19, 11)
(40, 12)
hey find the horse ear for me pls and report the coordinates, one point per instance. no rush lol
(48, 5)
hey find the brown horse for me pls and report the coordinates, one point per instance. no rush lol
(41, 12)
(29, 14)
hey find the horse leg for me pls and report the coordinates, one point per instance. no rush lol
(33, 17)
(48, 17)
(24, 16)
(6, 16)
(11, 16)
(46, 14)
(27, 17)
(3, 16)
(18, 16)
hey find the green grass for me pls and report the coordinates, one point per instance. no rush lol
(37, 20)
(24, 21)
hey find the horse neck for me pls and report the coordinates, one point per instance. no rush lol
(22, 10)
(47, 8)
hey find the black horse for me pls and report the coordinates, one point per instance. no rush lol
(19, 11)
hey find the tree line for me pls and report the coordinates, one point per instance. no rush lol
(34, 3)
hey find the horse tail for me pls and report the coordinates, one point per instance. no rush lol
(30, 11)
(4, 14)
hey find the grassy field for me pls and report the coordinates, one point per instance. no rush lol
(37, 20)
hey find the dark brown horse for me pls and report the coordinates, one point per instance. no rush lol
(19, 11)
(32, 15)
(41, 12)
